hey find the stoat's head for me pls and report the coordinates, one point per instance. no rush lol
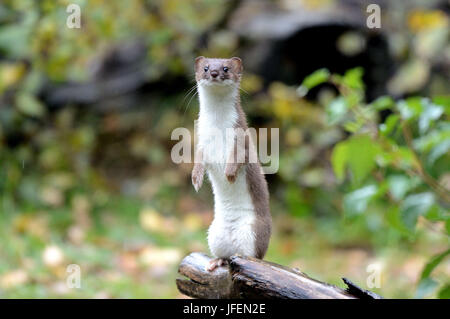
(218, 72)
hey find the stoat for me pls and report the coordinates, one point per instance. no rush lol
(242, 222)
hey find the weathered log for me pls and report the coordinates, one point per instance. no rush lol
(247, 277)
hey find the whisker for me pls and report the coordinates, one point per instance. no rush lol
(244, 91)
(190, 100)
(192, 88)
(188, 93)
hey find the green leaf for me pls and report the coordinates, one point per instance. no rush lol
(382, 103)
(406, 156)
(389, 125)
(410, 108)
(13, 40)
(433, 263)
(358, 153)
(430, 113)
(29, 105)
(355, 203)
(339, 159)
(438, 151)
(394, 219)
(443, 100)
(353, 126)
(353, 78)
(444, 293)
(432, 138)
(436, 213)
(336, 110)
(426, 284)
(414, 206)
(318, 77)
(399, 185)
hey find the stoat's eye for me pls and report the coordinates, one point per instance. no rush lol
(225, 69)
(206, 69)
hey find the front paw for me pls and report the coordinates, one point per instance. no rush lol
(197, 178)
(231, 174)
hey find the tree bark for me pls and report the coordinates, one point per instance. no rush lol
(247, 277)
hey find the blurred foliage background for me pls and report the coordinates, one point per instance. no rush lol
(86, 116)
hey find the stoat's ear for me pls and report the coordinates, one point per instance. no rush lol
(197, 61)
(237, 63)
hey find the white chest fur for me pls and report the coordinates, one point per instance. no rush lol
(231, 232)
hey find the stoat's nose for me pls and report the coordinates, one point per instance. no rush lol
(214, 73)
